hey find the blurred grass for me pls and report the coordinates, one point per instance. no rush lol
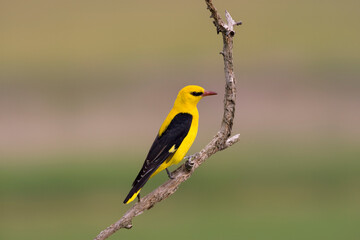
(280, 192)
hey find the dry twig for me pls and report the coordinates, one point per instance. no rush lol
(221, 140)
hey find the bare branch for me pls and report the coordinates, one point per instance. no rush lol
(232, 140)
(221, 140)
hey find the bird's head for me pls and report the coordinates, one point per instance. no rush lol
(192, 94)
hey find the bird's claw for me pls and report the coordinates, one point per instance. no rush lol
(189, 164)
(169, 174)
(138, 197)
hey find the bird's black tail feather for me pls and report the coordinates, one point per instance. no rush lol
(138, 184)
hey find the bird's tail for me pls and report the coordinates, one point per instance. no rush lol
(138, 184)
(132, 195)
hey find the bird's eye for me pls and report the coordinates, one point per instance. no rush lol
(196, 93)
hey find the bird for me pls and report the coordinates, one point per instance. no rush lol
(174, 138)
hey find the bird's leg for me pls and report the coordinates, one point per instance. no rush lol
(138, 197)
(189, 164)
(169, 174)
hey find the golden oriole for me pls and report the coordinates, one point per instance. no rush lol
(175, 137)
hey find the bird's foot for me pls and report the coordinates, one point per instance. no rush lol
(169, 174)
(189, 164)
(138, 197)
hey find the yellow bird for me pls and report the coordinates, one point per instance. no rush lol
(175, 137)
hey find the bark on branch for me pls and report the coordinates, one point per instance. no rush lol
(221, 140)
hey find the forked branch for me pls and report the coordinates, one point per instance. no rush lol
(221, 140)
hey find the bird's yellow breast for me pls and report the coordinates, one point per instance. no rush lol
(186, 143)
(188, 140)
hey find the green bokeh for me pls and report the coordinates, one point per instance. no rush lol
(240, 193)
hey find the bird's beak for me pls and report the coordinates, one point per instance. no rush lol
(208, 93)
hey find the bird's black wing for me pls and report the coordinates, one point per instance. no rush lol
(160, 149)
(172, 136)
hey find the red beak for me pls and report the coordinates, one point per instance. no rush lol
(208, 93)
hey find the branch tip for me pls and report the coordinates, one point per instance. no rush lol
(129, 226)
(232, 140)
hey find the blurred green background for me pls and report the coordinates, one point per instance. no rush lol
(85, 85)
